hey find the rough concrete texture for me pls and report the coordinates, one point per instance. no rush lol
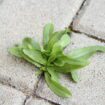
(91, 19)
(10, 96)
(36, 101)
(90, 90)
(22, 18)
(14, 71)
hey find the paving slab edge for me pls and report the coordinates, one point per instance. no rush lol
(78, 16)
(80, 11)
(89, 35)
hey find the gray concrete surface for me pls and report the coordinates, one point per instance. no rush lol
(10, 96)
(37, 101)
(22, 18)
(91, 88)
(91, 20)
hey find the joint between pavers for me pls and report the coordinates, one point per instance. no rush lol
(9, 85)
(46, 100)
(80, 11)
(35, 89)
(90, 36)
(27, 97)
(37, 96)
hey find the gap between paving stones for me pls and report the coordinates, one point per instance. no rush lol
(28, 97)
(13, 94)
(80, 11)
(27, 94)
(84, 4)
(91, 36)
(92, 21)
(79, 14)
(26, 100)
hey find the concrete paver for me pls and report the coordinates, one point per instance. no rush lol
(92, 19)
(10, 96)
(36, 101)
(90, 89)
(21, 18)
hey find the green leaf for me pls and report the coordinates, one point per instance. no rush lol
(56, 87)
(30, 60)
(86, 52)
(67, 68)
(74, 76)
(35, 56)
(56, 37)
(56, 52)
(47, 32)
(30, 44)
(54, 74)
(16, 51)
(60, 61)
(64, 41)
(57, 49)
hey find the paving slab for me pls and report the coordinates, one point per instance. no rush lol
(37, 101)
(10, 96)
(91, 19)
(90, 90)
(22, 18)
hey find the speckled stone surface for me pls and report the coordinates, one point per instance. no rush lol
(90, 90)
(91, 19)
(21, 18)
(37, 101)
(10, 96)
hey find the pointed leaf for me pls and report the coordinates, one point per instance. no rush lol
(66, 59)
(74, 76)
(56, 37)
(47, 32)
(57, 49)
(30, 44)
(56, 87)
(86, 52)
(30, 60)
(64, 41)
(67, 68)
(16, 51)
(54, 74)
(35, 56)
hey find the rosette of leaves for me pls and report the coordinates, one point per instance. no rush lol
(51, 59)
